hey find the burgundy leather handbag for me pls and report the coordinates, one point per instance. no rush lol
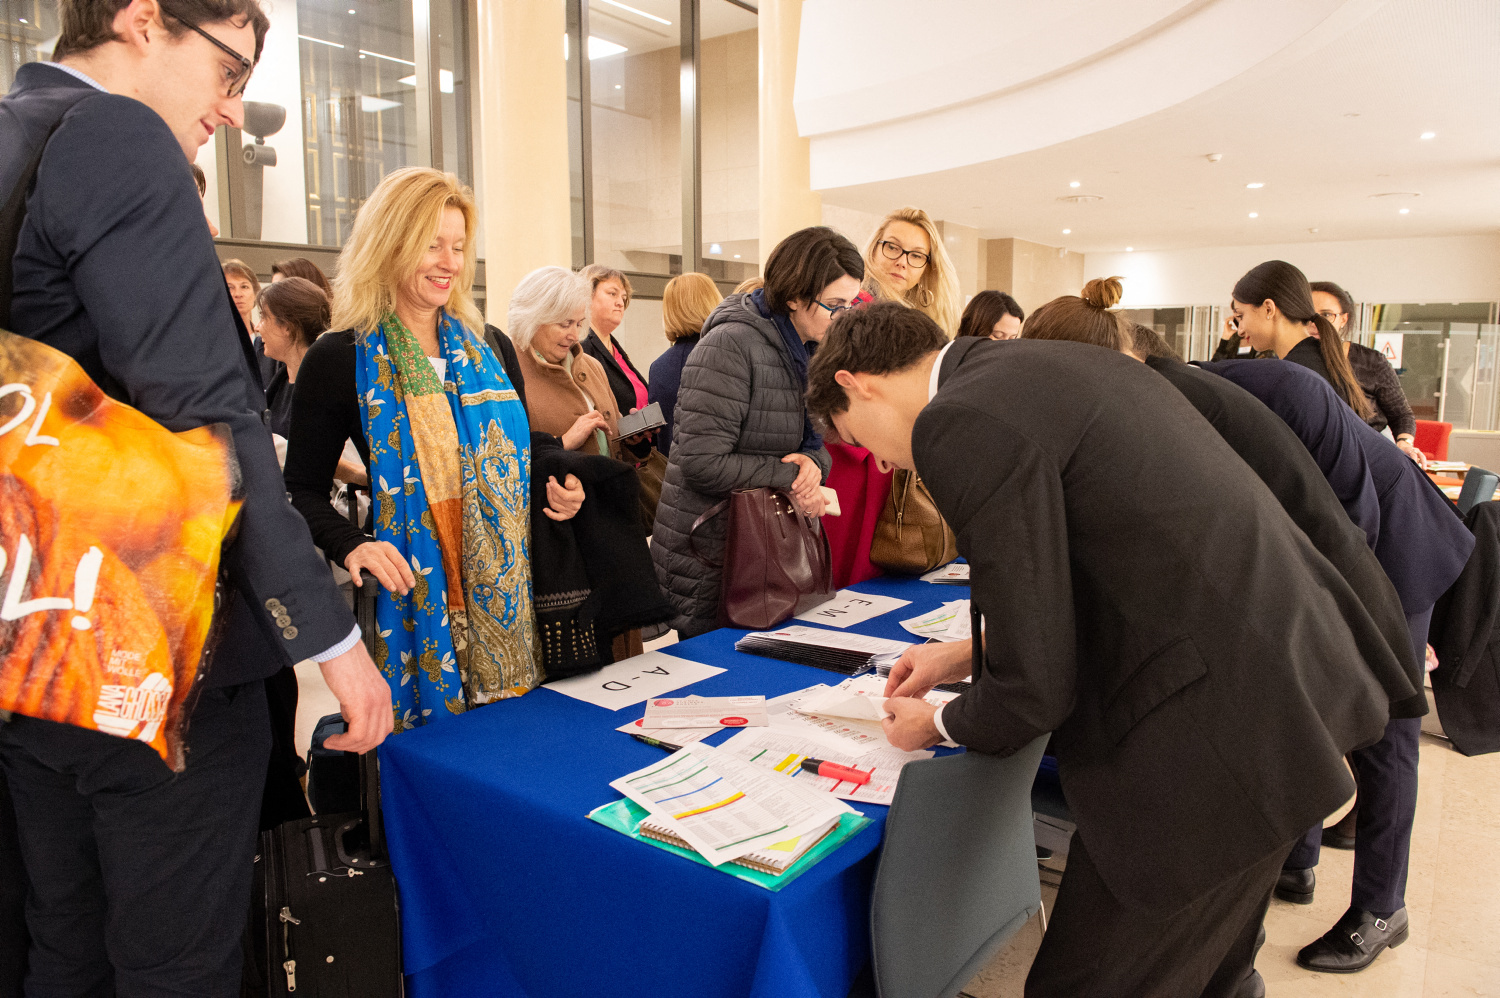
(776, 560)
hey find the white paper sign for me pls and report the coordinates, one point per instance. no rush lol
(849, 607)
(1388, 345)
(633, 680)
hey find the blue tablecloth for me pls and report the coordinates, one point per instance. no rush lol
(507, 889)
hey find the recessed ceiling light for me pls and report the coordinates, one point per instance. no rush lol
(1130, 249)
(1257, 185)
(1429, 135)
(1075, 184)
(617, 86)
(361, 55)
(715, 248)
(24, 21)
(351, 10)
(1255, 214)
(1404, 211)
(736, 256)
(1067, 232)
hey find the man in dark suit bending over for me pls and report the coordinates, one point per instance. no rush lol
(1202, 667)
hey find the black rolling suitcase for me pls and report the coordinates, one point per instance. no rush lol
(324, 920)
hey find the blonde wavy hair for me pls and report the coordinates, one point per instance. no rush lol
(391, 234)
(936, 292)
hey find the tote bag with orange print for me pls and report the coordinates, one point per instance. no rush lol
(111, 529)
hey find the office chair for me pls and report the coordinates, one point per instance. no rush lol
(957, 875)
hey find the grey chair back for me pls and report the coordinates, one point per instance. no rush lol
(1479, 486)
(958, 873)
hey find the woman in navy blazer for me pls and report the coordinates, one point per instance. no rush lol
(1422, 544)
(685, 306)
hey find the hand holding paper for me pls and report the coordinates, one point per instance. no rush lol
(909, 726)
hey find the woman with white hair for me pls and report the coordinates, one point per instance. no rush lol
(567, 391)
(439, 424)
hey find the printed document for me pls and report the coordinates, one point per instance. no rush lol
(706, 712)
(782, 751)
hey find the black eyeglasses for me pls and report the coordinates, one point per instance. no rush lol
(915, 258)
(236, 81)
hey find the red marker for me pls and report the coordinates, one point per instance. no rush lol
(834, 771)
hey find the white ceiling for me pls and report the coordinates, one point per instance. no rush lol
(1324, 124)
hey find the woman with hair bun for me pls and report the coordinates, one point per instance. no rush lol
(1273, 308)
(1086, 319)
(1377, 378)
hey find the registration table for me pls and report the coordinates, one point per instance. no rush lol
(508, 889)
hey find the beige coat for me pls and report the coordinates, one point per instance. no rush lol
(555, 399)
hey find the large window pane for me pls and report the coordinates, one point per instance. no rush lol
(636, 121)
(450, 22)
(359, 105)
(729, 89)
(1425, 329)
(28, 29)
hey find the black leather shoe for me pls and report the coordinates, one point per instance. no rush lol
(1296, 886)
(1334, 839)
(1354, 943)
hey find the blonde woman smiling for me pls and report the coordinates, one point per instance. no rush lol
(446, 439)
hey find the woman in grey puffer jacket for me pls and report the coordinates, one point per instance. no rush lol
(741, 422)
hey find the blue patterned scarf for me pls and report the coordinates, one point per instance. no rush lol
(450, 468)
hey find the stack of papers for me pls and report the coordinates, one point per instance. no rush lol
(780, 751)
(675, 737)
(847, 653)
(952, 574)
(949, 622)
(725, 808)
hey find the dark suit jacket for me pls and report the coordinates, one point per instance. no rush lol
(1203, 667)
(1415, 531)
(115, 268)
(1277, 456)
(1466, 637)
(618, 382)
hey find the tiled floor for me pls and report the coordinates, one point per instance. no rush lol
(1453, 893)
(1453, 896)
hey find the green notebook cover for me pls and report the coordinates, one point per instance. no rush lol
(626, 816)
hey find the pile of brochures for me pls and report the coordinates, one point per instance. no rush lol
(949, 622)
(951, 574)
(722, 810)
(836, 651)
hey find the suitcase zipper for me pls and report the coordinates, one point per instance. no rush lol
(290, 965)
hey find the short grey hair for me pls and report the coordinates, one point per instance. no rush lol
(547, 294)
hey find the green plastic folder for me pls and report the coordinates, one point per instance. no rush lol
(625, 816)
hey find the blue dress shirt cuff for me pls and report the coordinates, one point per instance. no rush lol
(341, 647)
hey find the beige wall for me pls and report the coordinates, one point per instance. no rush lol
(962, 243)
(523, 113)
(729, 143)
(787, 200)
(1031, 273)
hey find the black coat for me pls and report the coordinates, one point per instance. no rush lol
(1276, 455)
(1465, 635)
(591, 576)
(1203, 666)
(618, 383)
(115, 268)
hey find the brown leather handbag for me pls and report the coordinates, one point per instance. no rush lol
(911, 536)
(651, 471)
(776, 560)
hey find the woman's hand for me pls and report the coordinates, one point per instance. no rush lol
(1409, 448)
(382, 560)
(565, 500)
(583, 428)
(351, 472)
(1230, 329)
(639, 438)
(806, 489)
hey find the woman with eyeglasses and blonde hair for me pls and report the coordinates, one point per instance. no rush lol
(906, 262)
(446, 439)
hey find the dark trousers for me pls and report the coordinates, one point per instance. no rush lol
(283, 799)
(1387, 774)
(1382, 830)
(1097, 947)
(138, 878)
(13, 939)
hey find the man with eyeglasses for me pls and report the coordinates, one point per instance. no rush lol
(138, 878)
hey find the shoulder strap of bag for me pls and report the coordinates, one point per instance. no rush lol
(708, 514)
(13, 214)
